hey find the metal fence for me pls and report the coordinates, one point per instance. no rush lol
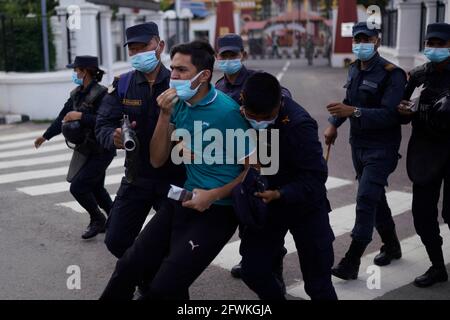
(177, 31)
(21, 44)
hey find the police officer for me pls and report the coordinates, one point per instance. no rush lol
(296, 196)
(90, 161)
(230, 57)
(428, 161)
(374, 89)
(134, 94)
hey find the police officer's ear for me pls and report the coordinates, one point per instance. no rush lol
(161, 48)
(244, 55)
(378, 43)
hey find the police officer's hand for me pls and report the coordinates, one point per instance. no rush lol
(167, 100)
(202, 200)
(117, 136)
(404, 108)
(268, 195)
(72, 116)
(39, 141)
(330, 135)
(340, 110)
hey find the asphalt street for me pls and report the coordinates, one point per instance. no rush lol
(41, 225)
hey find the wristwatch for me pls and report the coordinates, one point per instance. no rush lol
(356, 113)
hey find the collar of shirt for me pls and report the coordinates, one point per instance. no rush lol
(163, 74)
(242, 76)
(208, 99)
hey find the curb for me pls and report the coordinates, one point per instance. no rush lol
(13, 118)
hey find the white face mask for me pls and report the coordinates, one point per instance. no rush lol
(260, 124)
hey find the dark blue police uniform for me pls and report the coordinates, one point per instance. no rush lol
(302, 209)
(375, 136)
(87, 182)
(135, 97)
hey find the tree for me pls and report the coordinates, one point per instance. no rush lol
(20, 8)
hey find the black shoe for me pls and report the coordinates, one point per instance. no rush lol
(94, 228)
(346, 269)
(387, 254)
(391, 247)
(432, 276)
(236, 271)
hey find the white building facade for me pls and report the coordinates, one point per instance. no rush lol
(404, 27)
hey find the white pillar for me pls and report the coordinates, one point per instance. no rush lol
(61, 51)
(62, 57)
(447, 11)
(86, 38)
(408, 31)
(130, 20)
(431, 11)
(106, 42)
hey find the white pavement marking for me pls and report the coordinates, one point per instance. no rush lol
(333, 183)
(35, 161)
(413, 263)
(75, 206)
(27, 143)
(19, 136)
(285, 68)
(32, 150)
(341, 220)
(57, 187)
(45, 173)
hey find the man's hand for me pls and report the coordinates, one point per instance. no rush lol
(39, 141)
(269, 195)
(202, 200)
(340, 110)
(117, 136)
(167, 100)
(404, 108)
(330, 134)
(72, 116)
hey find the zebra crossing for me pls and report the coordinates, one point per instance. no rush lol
(42, 172)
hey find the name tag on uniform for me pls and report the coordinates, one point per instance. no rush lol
(370, 84)
(132, 103)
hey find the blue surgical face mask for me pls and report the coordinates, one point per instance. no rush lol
(76, 80)
(183, 87)
(230, 66)
(258, 125)
(436, 54)
(364, 51)
(145, 61)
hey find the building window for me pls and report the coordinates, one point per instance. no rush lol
(440, 14)
(423, 26)
(389, 29)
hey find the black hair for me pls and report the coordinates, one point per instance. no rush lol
(95, 73)
(201, 52)
(261, 93)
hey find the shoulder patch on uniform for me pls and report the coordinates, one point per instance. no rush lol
(390, 67)
(285, 120)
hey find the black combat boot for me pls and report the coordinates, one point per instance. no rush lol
(96, 226)
(390, 250)
(437, 273)
(348, 268)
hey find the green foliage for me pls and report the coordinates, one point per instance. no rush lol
(20, 8)
(23, 45)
